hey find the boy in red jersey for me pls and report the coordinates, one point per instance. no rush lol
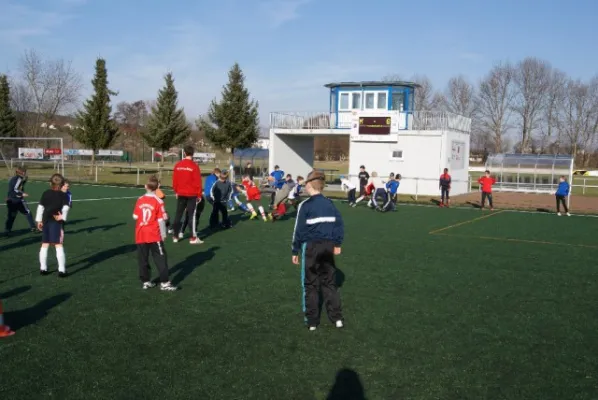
(486, 183)
(187, 185)
(150, 232)
(445, 187)
(252, 192)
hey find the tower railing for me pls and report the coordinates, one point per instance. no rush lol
(418, 120)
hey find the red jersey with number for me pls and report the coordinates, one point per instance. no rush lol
(253, 192)
(149, 213)
(486, 183)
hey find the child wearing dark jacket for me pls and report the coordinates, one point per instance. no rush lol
(561, 194)
(221, 193)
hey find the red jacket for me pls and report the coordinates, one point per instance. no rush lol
(186, 179)
(486, 182)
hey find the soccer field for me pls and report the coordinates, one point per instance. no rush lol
(438, 304)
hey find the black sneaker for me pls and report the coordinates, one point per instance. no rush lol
(62, 275)
(43, 272)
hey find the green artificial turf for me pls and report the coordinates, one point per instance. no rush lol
(501, 307)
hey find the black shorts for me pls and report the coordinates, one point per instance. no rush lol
(52, 233)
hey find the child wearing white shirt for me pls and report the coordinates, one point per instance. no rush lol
(348, 187)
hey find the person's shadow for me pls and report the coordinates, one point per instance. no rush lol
(14, 292)
(102, 256)
(92, 229)
(347, 386)
(32, 315)
(185, 268)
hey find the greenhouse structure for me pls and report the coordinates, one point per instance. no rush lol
(529, 173)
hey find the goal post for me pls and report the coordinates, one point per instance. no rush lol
(40, 160)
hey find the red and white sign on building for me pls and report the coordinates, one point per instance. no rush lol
(52, 152)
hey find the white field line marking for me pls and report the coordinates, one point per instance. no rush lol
(100, 199)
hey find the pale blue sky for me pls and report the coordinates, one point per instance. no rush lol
(290, 48)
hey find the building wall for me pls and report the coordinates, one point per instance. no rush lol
(293, 153)
(424, 156)
(456, 145)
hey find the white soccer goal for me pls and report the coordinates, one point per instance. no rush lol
(41, 156)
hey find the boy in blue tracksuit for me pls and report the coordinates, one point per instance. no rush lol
(278, 182)
(561, 195)
(15, 201)
(318, 236)
(392, 188)
(237, 190)
(210, 181)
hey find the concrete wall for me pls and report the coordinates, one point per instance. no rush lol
(293, 153)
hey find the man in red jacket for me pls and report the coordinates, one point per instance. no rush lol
(186, 182)
(486, 183)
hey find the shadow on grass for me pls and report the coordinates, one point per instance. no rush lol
(474, 205)
(347, 386)
(26, 241)
(32, 315)
(92, 229)
(185, 268)
(102, 256)
(14, 292)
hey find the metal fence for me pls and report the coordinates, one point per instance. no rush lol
(418, 120)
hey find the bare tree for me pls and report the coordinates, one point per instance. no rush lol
(425, 97)
(45, 89)
(460, 96)
(579, 117)
(554, 101)
(495, 96)
(531, 81)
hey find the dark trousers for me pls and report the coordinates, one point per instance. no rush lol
(444, 194)
(199, 207)
(188, 206)
(158, 254)
(219, 208)
(318, 273)
(14, 208)
(362, 190)
(561, 200)
(272, 198)
(351, 196)
(484, 197)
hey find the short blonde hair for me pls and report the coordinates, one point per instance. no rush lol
(374, 174)
(317, 180)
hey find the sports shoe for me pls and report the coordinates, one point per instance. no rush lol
(148, 285)
(175, 240)
(339, 324)
(312, 328)
(354, 205)
(170, 231)
(568, 214)
(62, 274)
(181, 235)
(265, 219)
(167, 287)
(43, 272)
(253, 215)
(558, 214)
(196, 241)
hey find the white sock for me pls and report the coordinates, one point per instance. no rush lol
(359, 199)
(61, 257)
(43, 258)
(250, 207)
(262, 211)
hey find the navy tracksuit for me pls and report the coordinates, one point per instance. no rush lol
(15, 203)
(318, 230)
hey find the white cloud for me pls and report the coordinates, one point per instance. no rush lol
(19, 22)
(278, 12)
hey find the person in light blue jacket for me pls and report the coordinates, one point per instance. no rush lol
(562, 192)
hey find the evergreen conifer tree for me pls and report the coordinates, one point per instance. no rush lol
(8, 119)
(167, 125)
(233, 122)
(96, 128)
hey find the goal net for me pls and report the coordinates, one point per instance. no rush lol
(41, 156)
